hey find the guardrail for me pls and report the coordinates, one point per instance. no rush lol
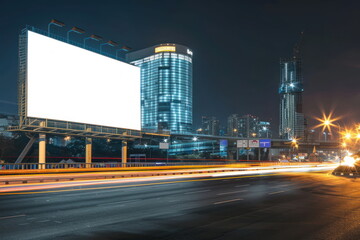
(35, 166)
(49, 178)
(31, 166)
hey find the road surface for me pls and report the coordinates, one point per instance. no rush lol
(271, 206)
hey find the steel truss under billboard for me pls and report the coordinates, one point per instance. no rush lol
(51, 126)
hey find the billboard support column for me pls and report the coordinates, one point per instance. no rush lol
(124, 153)
(88, 152)
(42, 150)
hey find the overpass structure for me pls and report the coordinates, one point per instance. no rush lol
(275, 143)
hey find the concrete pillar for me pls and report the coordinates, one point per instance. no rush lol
(88, 152)
(124, 153)
(42, 151)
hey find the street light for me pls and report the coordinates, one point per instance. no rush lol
(93, 37)
(55, 23)
(326, 122)
(75, 30)
(347, 136)
(295, 145)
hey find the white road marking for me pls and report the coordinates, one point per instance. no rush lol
(243, 185)
(42, 221)
(201, 191)
(231, 192)
(22, 215)
(276, 192)
(232, 200)
(115, 203)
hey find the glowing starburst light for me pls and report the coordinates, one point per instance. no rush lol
(326, 122)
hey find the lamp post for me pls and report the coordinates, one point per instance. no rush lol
(75, 30)
(55, 23)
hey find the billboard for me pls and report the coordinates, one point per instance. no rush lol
(164, 145)
(254, 143)
(69, 83)
(242, 143)
(265, 143)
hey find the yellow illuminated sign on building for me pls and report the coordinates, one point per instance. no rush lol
(165, 49)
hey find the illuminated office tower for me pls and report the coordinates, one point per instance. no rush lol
(291, 88)
(292, 121)
(166, 87)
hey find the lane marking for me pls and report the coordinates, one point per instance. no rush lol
(227, 201)
(201, 191)
(231, 192)
(15, 216)
(243, 185)
(115, 203)
(276, 192)
(43, 221)
(131, 185)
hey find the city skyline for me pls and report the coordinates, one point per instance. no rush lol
(220, 87)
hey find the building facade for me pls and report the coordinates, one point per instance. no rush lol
(7, 120)
(210, 125)
(233, 125)
(291, 89)
(166, 87)
(264, 129)
(247, 126)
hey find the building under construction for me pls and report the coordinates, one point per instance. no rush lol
(290, 90)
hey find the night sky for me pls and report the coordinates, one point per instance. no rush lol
(237, 46)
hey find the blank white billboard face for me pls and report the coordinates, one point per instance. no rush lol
(69, 83)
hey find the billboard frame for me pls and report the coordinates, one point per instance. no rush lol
(50, 126)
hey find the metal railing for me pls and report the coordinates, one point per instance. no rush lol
(103, 165)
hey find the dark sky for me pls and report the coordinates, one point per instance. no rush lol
(236, 45)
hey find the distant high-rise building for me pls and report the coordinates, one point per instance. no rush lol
(247, 126)
(166, 87)
(233, 125)
(291, 89)
(210, 125)
(264, 129)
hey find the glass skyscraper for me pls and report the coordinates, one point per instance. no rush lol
(291, 88)
(166, 87)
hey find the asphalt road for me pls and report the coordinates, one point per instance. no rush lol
(287, 206)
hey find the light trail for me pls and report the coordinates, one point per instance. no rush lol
(303, 169)
(126, 186)
(250, 173)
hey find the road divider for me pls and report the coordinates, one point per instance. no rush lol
(214, 172)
